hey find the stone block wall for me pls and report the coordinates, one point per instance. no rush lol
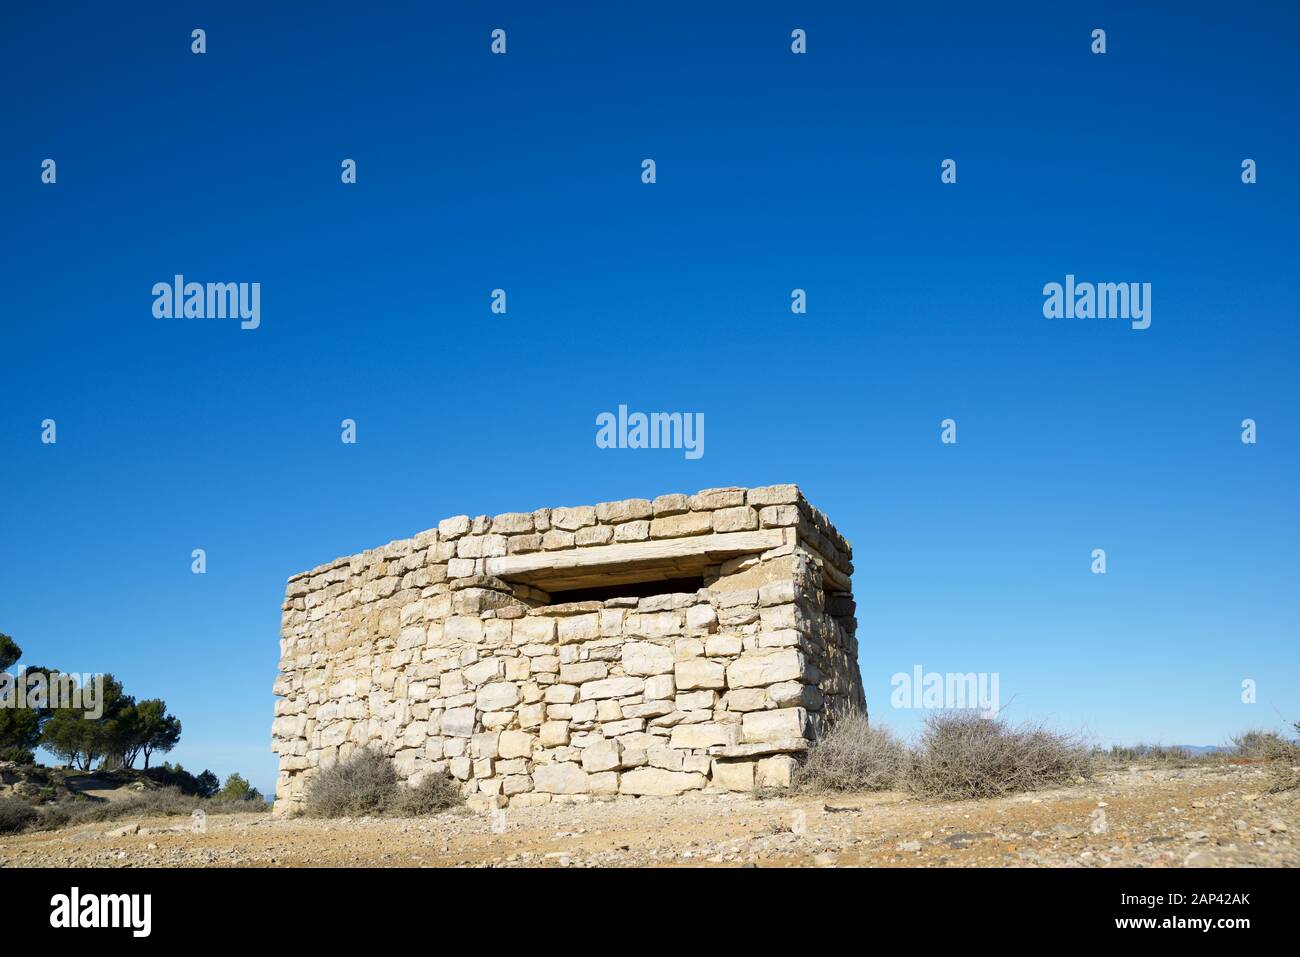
(628, 648)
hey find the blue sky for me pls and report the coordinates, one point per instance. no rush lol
(775, 171)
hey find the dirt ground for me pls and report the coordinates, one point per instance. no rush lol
(1149, 817)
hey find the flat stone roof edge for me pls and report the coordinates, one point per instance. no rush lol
(662, 506)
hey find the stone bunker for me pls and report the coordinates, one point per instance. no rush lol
(628, 648)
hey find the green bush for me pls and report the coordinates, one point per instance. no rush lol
(237, 788)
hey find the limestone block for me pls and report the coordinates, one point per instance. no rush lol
(534, 630)
(787, 694)
(702, 735)
(572, 519)
(648, 709)
(532, 799)
(484, 671)
(497, 696)
(516, 784)
(612, 729)
(776, 771)
(752, 671)
(485, 744)
(659, 687)
(454, 527)
(714, 498)
(554, 734)
(461, 628)
(561, 693)
(723, 646)
(658, 782)
(531, 715)
(747, 699)
(544, 664)
(742, 518)
(646, 658)
(605, 756)
(665, 758)
(671, 505)
(484, 803)
(578, 628)
(593, 535)
(772, 495)
(699, 763)
(733, 775)
(701, 618)
(612, 688)
(515, 744)
(695, 673)
(561, 778)
(458, 722)
(680, 526)
(696, 700)
(632, 531)
(775, 725)
(581, 671)
(513, 523)
(628, 510)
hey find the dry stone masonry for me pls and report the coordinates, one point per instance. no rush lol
(567, 654)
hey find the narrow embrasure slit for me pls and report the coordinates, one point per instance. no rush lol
(663, 586)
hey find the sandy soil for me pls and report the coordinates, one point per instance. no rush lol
(1203, 816)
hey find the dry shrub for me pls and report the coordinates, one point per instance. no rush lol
(367, 784)
(1151, 754)
(16, 815)
(160, 802)
(364, 783)
(1258, 745)
(852, 756)
(436, 792)
(963, 755)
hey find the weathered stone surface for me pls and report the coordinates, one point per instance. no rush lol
(554, 734)
(497, 696)
(750, 671)
(655, 781)
(604, 756)
(776, 771)
(564, 778)
(611, 688)
(733, 775)
(696, 673)
(458, 722)
(515, 744)
(776, 725)
(646, 658)
(691, 736)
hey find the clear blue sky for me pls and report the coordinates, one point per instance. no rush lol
(775, 171)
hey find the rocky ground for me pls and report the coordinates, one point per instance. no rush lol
(1222, 816)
